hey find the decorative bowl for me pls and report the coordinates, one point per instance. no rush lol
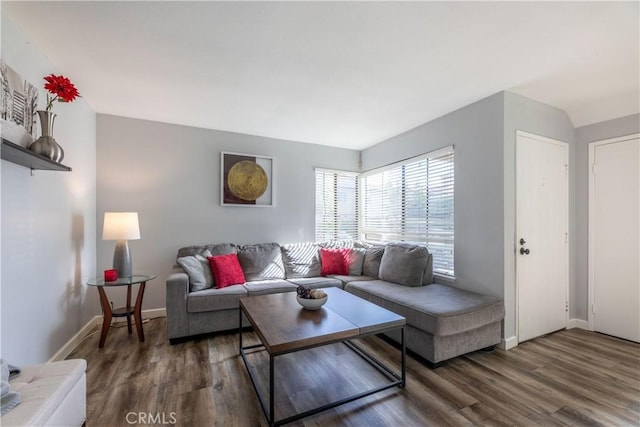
(311, 304)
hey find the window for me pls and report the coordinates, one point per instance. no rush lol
(413, 201)
(336, 205)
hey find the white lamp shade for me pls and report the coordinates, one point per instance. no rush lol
(121, 226)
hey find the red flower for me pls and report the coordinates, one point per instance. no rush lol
(62, 88)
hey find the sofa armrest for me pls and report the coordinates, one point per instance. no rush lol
(176, 303)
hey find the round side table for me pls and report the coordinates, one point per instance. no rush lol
(127, 311)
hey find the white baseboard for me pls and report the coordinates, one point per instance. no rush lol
(75, 340)
(508, 343)
(71, 345)
(154, 312)
(578, 323)
(146, 314)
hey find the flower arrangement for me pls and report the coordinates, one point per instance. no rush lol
(62, 88)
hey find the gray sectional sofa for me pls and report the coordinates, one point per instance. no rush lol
(442, 321)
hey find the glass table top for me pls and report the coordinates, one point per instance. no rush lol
(121, 281)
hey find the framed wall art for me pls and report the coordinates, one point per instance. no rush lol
(18, 105)
(246, 180)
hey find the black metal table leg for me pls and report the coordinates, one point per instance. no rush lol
(271, 391)
(240, 331)
(404, 360)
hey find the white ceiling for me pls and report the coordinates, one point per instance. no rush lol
(337, 73)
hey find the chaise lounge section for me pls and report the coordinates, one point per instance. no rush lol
(442, 321)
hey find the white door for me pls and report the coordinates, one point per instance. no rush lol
(542, 206)
(615, 237)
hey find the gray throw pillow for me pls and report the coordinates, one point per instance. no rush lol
(404, 264)
(301, 260)
(199, 271)
(371, 262)
(261, 262)
(428, 271)
(356, 259)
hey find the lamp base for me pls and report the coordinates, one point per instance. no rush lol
(122, 259)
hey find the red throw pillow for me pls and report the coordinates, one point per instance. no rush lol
(334, 261)
(226, 270)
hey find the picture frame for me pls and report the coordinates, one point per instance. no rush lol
(18, 105)
(246, 180)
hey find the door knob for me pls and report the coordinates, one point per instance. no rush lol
(522, 242)
(524, 251)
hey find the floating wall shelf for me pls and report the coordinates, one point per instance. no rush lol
(19, 155)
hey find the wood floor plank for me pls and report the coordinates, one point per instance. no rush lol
(575, 417)
(569, 378)
(520, 376)
(496, 390)
(483, 415)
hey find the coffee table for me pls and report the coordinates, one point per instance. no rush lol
(283, 326)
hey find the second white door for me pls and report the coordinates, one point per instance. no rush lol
(615, 237)
(542, 259)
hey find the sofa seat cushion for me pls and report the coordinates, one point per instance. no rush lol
(264, 287)
(350, 278)
(216, 299)
(436, 309)
(43, 388)
(317, 282)
(261, 261)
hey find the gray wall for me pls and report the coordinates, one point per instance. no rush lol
(525, 114)
(48, 226)
(476, 132)
(170, 175)
(584, 135)
(483, 134)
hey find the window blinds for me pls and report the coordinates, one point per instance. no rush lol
(336, 205)
(413, 201)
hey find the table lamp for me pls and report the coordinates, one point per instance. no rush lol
(121, 226)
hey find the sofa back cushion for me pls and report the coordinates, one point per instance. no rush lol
(371, 261)
(356, 260)
(301, 260)
(261, 261)
(428, 271)
(198, 269)
(404, 264)
(344, 243)
(215, 249)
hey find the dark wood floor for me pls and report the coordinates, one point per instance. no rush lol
(572, 377)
